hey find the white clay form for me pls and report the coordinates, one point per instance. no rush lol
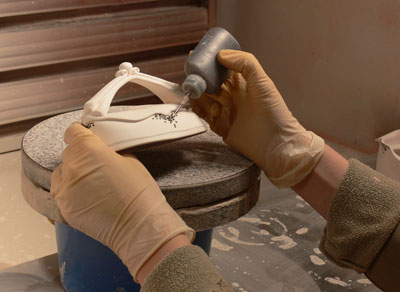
(144, 124)
(120, 134)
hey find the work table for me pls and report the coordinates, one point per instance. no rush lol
(273, 248)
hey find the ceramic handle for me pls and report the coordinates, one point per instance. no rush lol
(99, 104)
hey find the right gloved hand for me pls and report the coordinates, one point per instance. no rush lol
(113, 199)
(252, 117)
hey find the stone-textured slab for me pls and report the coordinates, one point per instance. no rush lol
(212, 215)
(199, 217)
(194, 171)
(40, 200)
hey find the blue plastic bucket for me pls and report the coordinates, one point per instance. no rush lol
(87, 265)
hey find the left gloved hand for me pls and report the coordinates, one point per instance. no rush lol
(113, 199)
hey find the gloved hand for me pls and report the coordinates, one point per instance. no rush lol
(252, 117)
(113, 199)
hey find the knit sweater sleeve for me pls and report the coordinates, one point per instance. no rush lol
(362, 230)
(186, 269)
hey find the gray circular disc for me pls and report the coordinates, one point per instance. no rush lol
(194, 171)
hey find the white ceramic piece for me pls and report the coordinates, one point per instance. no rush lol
(99, 104)
(121, 134)
(388, 159)
(140, 125)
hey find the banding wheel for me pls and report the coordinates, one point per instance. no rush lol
(206, 182)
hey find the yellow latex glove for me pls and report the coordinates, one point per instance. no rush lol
(113, 199)
(252, 117)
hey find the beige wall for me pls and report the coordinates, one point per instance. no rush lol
(337, 63)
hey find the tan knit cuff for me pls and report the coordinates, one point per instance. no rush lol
(186, 269)
(385, 270)
(361, 218)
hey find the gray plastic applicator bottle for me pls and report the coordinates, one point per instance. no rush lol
(204, 72)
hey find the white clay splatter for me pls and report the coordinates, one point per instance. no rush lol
(62, 271)
(287, 242)
(282, 213)
(280, 223)
(299, 198)
(261, 232)
(2, 219)
(316, 260)
(253, 220)
(303, 230)
(300, 205)
(220, 246)
(316, 250)
(236, 239)
(234, 231)
(313, 273)
(336, 281)
(364, 281)
(236, 285)
(249, 219)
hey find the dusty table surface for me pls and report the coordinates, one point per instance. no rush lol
(273, 248)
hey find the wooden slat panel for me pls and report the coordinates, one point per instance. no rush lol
(55, 55)
(212, 11)
(53, 94)
(108, 35)
(23, 7)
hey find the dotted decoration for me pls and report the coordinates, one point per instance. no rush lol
(166, 118)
